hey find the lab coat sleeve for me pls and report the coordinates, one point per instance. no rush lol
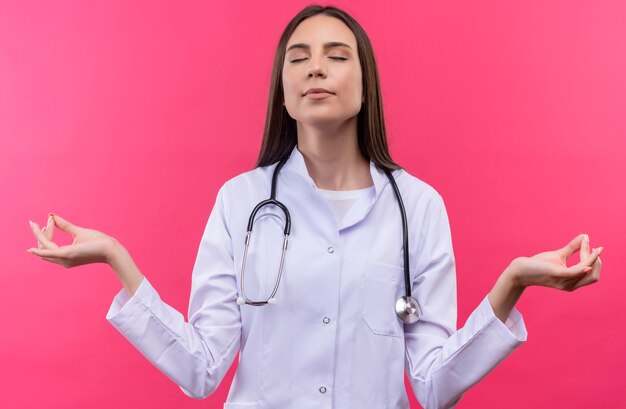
(195, 354)
(442, 363)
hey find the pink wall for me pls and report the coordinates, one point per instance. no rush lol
(126, 117)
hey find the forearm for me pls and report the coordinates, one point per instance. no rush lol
(124, 266)
(459, 361)
(176, 347)
(504, 295)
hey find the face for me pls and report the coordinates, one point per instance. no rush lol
(315, 63)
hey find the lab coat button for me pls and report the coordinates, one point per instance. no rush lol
(322, 389)
(326, 320)
(331, 249)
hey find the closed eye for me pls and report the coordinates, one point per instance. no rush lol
(334, 58)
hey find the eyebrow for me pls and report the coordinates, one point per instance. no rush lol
(326, 46)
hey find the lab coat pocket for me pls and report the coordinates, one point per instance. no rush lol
(240, 405)
(382, 287)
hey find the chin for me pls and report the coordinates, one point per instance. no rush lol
(322, 120)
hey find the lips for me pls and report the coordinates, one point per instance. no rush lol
(317, 91)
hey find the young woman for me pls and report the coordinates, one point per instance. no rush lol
(348, 277)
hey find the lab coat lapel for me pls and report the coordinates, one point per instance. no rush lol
(361, 207)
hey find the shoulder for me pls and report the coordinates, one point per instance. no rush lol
(248, 182)
(249, 177)
(236, 193)
(416, 191)
(427, 215)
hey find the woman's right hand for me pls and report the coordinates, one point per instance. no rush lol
(89, 246)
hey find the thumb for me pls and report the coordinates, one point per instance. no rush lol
(64, 225)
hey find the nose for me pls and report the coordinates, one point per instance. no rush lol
(315, 68)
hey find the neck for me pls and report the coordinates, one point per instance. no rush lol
(333, 158)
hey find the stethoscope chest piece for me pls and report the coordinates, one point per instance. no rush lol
(408, 309)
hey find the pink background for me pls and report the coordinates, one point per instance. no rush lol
(126, 117)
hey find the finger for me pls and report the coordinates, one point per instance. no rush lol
(40, 237)
(60, 252)
(592, 276)
(593, 259)
(49, 228)
(64, 225)
(574, 272)
(52, 260)
(51, 244)
(584, 266)
(593, 256)
(586, 280)
(571, 247)
(43, 231)
(584, 248)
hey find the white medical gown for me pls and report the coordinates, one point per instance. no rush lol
(332, 340)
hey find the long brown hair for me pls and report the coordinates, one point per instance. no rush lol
(280, 133)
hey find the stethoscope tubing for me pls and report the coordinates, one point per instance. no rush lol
(407, 308)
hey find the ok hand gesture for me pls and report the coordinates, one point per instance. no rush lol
(549, 269)
(89, 246)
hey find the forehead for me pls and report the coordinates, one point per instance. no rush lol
(321, 29)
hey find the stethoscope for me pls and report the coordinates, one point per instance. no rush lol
(407, 307)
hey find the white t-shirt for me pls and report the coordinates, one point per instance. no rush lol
(342, 200)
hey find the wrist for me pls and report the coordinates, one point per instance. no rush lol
(124, 267)
(115, 253)
(512, 276)
(505, 294)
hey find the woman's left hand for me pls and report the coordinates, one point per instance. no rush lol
(549, 269)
